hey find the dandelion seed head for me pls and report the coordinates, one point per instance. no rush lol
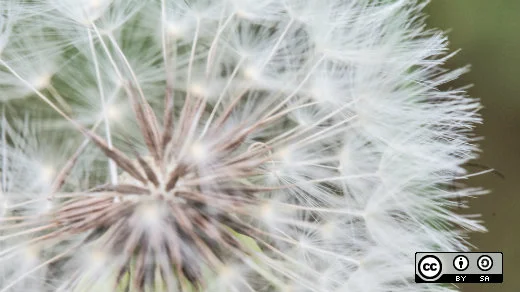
(227, 145)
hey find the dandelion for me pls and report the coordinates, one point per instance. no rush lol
(267, 145)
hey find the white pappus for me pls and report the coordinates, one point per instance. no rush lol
(227, 145)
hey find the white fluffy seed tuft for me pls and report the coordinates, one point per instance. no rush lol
(227, 145)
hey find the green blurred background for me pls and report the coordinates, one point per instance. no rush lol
(488, 32)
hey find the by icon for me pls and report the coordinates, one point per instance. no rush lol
(485, 263)
(430, 267)
(460, 263)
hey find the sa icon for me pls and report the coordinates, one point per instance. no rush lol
(430, 267)
(485, 263)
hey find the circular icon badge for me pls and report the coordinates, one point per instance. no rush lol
(485, 263)
(460, 263)
(430, 267)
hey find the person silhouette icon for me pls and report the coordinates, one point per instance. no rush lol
(460, 263)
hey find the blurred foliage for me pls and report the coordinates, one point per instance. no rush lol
(488, 32)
